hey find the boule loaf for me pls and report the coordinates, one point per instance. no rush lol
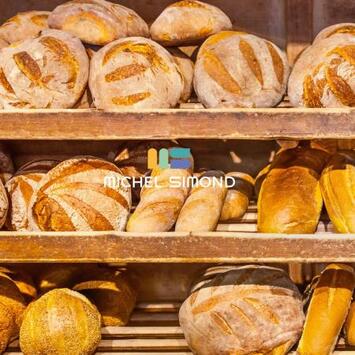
(81, 194)
(135, 73)
(323, 76)
(60, 322)
(50, 71)
(188, 22)
(339, 28)
(24, 25)
(243, 310)
(97, 22)
(338, 189)
(236, 69)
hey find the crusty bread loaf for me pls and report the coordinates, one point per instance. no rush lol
(81, 194)
(97, 22)
(243, 310)
(327, 310)
(237, 198)
(339, 28)
(323, 76)
(4, 204)
(203, 207)
(24, 25)
(188, 22)
(8, 327)
(236, 69)
(350, 325)
(50, 71)
(290, 199)
(338, 189)
(135, 73)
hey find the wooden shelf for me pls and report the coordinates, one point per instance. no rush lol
(275, 123)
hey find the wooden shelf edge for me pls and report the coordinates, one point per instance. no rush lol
(259, 124)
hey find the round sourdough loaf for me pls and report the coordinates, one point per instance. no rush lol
(24, 25)
(135, 73)
(339, 28)
(324, 74)
(20, 190)
(81, 194)
(236, 69)
(50, 71)
(61, 322)
(243, 310)
(97, 22)
(188, 22)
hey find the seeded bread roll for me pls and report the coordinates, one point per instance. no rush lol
(135, 73)
(324, 75)
(188, 22)
(236, 69)
(243, 310)
(24, 25)
(81, 194)
(50, 71)
(339, 28)
(97, 22)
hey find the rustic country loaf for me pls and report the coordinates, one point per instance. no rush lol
(290, 199)
(338, 189)
(236, 69)
(50, 71)
(20, 189)
(338, 29)
(61, 322)
(323, 76)
(243, 310)
(188, 22)
(24, 25)
(81, 194)
(327, 311)
(97, 22)
(135, 73)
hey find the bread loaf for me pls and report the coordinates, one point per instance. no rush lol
(135, 73)
(236, 69)
(327, 310)
(3, 43)
(97, 22)
(110, 291)
(20, 189)
(8, 327)
(339, 28)
(161, 201)
(61, 322)
(237, 198)
(203, 207)
(323, 76)
(24, 25)
(243, 310)
(50, 71)
(188, 22)
(4, 204)
(81, 194)
(7, 169)
(350, 325)
(290, 199)
(338, 190)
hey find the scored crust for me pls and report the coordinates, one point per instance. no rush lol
(339, 28)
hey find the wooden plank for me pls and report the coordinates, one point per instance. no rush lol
(274, 123)
(175, 247)
(124, 332)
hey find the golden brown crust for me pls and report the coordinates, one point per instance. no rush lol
(350, 325)
(339, 28)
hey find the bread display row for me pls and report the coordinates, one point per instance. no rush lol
(43, 63)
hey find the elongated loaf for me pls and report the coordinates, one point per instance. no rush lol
(188, 22)
(243, 310)
(236, 69)
(290, 200)
(323, 76)
(339, 28)
(350, 325)
(50, 71)
(338, 190)
(97, 22)
(203, 207)
(24, 25)
(81, 194)
(327, 310)
(135, 73)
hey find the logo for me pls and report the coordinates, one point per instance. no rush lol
(173, 158)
